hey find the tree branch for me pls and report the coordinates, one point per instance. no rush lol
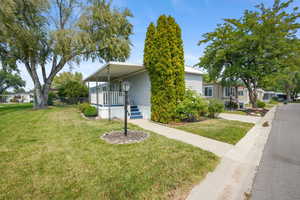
(44, 73)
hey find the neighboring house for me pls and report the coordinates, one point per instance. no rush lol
(24, 97)
(268, 95)
(111, 75)
(227, 94)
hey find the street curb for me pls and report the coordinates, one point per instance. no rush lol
(234, 176)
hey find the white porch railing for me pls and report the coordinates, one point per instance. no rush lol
(115, 97)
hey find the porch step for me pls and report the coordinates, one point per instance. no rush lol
(136, 117)
(135, 113)
(134, 109)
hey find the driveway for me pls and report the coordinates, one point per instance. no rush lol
(278, 176)
(242, 118)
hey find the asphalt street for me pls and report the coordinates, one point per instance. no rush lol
(278, 176)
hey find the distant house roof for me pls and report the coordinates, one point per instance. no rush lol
(121, 69)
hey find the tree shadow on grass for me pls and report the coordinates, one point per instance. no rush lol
(10, 108)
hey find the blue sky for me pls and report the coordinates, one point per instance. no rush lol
(195, 18)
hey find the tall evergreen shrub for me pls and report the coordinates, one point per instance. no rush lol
(164, 60)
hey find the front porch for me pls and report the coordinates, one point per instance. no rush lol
(106, 94)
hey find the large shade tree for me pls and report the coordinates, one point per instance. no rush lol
(46, 35)
(252, 47)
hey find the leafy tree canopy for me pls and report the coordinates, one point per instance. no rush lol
(65, 77)
(252, 47)
(10, 79)
(45, 35)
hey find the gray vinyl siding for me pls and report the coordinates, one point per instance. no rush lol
(194, 82)
(140, 89)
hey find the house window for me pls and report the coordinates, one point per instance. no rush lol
(241, 93)
(229, 91)
(208, 91)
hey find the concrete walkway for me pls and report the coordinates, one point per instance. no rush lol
(214, 146)
(233, 177)
(242, 118)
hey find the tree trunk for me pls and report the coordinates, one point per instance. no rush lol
(253, 98)
(40, 99)
(288, 96)
(237, 96)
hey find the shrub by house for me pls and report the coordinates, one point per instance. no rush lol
(164, 60)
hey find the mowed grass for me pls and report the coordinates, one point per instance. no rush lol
(218, 129)
(56, 154)
(238, 112)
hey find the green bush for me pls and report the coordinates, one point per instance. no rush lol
(83, 106)
(51, 97)
(192, 107)
(164, 61)
(215, 106)
(273, 101)
(260, 104)
(231, 105)
(72, 92)
(90, 111)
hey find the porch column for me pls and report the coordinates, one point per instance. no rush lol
(88, 83)
(109, 93)
(97, 96)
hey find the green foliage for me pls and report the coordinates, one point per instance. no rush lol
(90, 111)
(273, 101)
(231, 105)
(260, 104)
(164, 60)
(215, 107)
(252, 47)
(65, 77)
(55, 33)
(83, 106)
(192, 107)
(10, 79)
(72, 92)
(51, 98)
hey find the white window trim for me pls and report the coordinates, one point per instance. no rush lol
(242, 92)
(212, 91)
(224, 91)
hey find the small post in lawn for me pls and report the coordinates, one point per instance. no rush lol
(126, 87)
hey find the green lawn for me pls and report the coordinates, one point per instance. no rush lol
(218, 129)
(239, 112)
(56, 154)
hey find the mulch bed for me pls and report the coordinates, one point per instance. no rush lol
(118, 137)
(256, 111)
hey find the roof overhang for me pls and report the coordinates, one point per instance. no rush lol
(117, 70)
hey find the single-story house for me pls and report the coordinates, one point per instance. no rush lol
(23, 97)
(217, 91)
(110, 102)
(268, 95)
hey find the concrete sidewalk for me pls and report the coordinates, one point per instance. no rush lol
(214, 146)
(242, 118)
(234, 176)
